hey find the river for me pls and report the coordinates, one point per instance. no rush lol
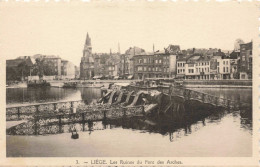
(228, 134)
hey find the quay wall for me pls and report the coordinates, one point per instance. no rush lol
(218, 83)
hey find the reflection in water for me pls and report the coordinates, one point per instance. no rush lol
(18, 96)
(223, 130)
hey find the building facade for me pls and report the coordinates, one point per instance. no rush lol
(245, 63)
(160, 64)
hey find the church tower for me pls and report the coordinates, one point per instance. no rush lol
(87, 52)
(87, 61)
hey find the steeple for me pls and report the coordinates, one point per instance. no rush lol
(88, 41)
(118, 48)
(87, 47)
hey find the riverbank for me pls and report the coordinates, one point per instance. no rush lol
(217, 83)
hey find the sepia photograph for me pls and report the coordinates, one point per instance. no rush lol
(129, 79)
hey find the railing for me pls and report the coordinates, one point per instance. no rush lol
(58, 123)
(27, 111)
(188, 94)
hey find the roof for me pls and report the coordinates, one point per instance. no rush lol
(248, 46)
(144, 54)
(16, 62)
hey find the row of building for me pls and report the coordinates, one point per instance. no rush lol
(171, 62)
(47, 66)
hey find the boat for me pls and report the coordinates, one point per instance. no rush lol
(40, 83)
(70, 85)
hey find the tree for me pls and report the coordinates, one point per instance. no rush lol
(24, 70)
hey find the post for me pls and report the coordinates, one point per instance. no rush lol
(71, 107)
(35, 125)
(59, 117)
(18, 112)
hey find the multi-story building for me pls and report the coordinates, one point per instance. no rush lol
(223, 69)
(144, 66)
(87, 64)
(126, 65)
(112, 66)
(181, 67)
(197, 67)
(245, 63)
(161, 64)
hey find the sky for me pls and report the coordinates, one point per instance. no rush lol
(60, 28)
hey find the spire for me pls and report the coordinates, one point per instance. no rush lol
(118, 48)
(153, 47)
(88, 40)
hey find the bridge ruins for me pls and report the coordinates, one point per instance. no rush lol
(167, 104)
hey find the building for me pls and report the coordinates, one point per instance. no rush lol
(245, 63)
(126, 65)
(47, 65)
(18, 69)
(234, 69)
(197, 67)
(112, 65)
(87, 64)
(145, 66)
(223, 68)
(181, 67)
(160, 64)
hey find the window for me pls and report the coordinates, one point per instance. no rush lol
(223, 69)
(224, 62)
(218, 69)
(144, 68)
(227, 62)
(218, 63)
(227, 69)
(139, 68)
(156, 61)
(191, 70)
(160, 61)
(196, 70)
(144, 60)
(140, 60)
